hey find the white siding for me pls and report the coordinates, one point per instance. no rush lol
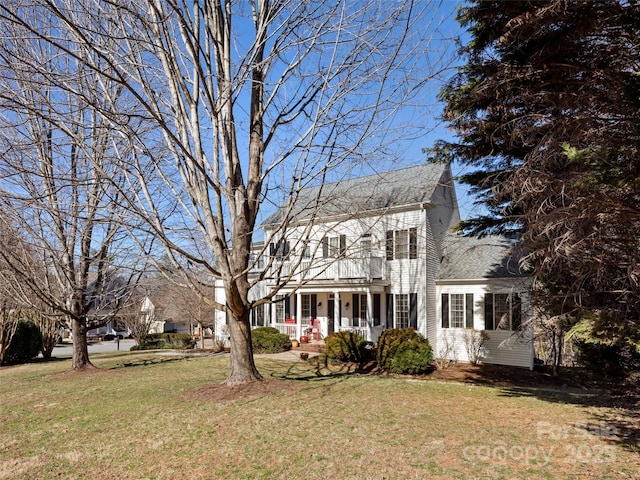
(503, 347)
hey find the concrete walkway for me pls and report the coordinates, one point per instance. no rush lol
(291, 355)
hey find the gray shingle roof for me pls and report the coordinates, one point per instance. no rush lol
(379, 191)
(466, 258)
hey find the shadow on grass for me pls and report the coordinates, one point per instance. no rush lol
(319, 368)
(615, 420)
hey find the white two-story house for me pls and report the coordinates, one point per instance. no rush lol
(377, 252)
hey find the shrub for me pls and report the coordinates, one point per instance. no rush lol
(404, 351)
(348, 346)
(474, 341)
(180, 341)
(269, 340)
(25, 344)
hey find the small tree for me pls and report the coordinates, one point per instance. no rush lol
(447, 354)
(474, 341)
(49, 326)
(8, 327)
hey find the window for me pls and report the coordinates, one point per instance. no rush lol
(280, 249)
(257, 316)
(502, 311)
(280, 308)
(402, 310)
(256, 261)
(402, 244)
(359, 310)
(457, 310)
(365, 245)
(333, 247)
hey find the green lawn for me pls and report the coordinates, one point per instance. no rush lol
(149, 416)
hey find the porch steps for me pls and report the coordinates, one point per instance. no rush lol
(317, 347)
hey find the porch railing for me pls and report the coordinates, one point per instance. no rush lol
(362, 331)
(368, 268)
(288, 329)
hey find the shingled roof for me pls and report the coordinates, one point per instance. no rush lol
(470, 258)
(385, 190)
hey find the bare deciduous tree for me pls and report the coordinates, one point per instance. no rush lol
(57, 175)
(253, 101)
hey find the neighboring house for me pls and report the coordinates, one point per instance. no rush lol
(169, 307)
(105, 317)
(377, 252)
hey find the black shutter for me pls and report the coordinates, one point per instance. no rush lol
(516, 311)
(413, 243)
(469, 310)
(343, 245)
(488, 311)
(389, 244)
(376, 309)
(445, 310)
(325, 247)
(389, 321)
(287, 307)
(295, 305)
(272, 249)
(314, 305)
(413, 310)
(355, 301)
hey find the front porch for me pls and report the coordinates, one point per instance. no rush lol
(317, 315)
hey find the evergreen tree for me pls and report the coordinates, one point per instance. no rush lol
(547, 109)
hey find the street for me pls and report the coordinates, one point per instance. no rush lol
(66, 349)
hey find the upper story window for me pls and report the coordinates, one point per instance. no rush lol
(402, 244)
(256, 262)
(334, 247)
(279, 249)
(365, 245)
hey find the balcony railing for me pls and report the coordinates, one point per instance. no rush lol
(369, 268)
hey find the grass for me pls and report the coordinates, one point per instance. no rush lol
(143, 415)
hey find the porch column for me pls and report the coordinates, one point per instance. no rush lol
(298, 316)
(337, 321)
(369, 315)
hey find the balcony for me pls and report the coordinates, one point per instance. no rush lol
(324, 269)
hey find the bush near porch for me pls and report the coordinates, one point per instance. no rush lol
(269, 340)
(348, 346)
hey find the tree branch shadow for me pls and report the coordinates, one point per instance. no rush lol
(616, 419)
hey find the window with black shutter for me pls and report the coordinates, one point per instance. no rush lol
(469, 310)
(488, 311)
(445, 310)
(389, 321)
(413, 310)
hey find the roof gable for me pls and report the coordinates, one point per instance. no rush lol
(407, 186)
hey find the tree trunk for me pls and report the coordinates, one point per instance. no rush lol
(80, 349)
(243, 368)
